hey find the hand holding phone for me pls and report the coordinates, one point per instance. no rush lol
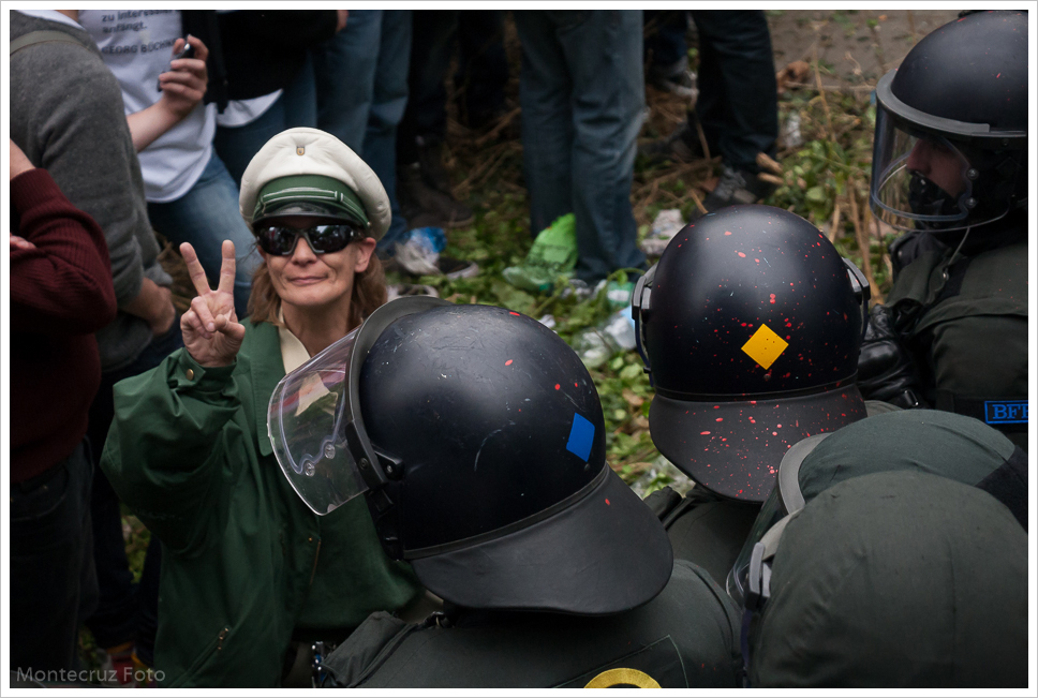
(183, 86)
(187, 52)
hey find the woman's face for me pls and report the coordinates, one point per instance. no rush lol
(308, 280)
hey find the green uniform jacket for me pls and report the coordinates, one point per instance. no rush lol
(245, 562)
(686, 637)
(968, 331)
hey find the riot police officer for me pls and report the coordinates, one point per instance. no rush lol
(929, 441)
(477, 437)
(890, 579)
(749, 327)
(950, 167)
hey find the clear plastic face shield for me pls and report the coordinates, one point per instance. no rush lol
(306, 421)
(784, 499)
(939, 174)
(315, 425)
(919, 177)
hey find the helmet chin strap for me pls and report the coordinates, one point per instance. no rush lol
(961, 243)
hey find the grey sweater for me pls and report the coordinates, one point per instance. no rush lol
(67, 115)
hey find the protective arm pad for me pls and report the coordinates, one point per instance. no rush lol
(885, 368)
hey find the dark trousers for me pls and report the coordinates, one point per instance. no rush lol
(482, 73)
(667, 41)
(53, 586)
(738, 101)
(126, 612)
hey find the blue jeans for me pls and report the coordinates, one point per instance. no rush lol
(206, 216)
(297, 106)
(126, 611)
(53, 586)
(738, 100)
(361, 76)
(582, 92)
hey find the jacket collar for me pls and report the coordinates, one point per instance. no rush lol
(264, 351)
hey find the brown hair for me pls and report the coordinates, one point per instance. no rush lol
(369, 292)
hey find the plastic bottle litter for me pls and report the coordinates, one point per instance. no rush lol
(667, 224)
(596, 345)
(663, 473)
(420, 251)
(791, 136)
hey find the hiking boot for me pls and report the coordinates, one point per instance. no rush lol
(417, 197)
(734, 187)
(682, 145)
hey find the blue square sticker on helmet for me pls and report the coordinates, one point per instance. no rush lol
(581, 436)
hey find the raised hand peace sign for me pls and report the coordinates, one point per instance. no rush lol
(212, 333)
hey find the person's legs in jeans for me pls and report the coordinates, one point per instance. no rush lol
(608, 98)
(206, 216)
(738, 103)
(50, 552)
(389, 100)
(547, 124)
(602, 51)
(345, 69)
(296, 106)
(344, 72)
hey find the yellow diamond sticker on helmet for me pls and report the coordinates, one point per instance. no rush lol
(765, 346)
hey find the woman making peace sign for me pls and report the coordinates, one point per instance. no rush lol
(247, 567)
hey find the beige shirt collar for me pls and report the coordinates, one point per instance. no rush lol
(293, 353)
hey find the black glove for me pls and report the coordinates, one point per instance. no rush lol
(885, 368)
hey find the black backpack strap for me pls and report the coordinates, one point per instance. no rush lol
(44, 37)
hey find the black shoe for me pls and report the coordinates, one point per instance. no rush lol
(457, 268)
(417, 197)
(734, 187)
(683, 145)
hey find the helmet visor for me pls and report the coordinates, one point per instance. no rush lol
(307, 421)
(919, 179)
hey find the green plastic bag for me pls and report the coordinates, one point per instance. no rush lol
(554, 254)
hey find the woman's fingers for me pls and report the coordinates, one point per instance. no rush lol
(194, 269)
(207, 322)
(227, 268)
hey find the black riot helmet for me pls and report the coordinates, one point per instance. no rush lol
(950, 150)
(479, 438)
(750, 326)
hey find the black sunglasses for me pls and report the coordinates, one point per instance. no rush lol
(280, 240)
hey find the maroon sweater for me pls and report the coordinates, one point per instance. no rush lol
(61, 293)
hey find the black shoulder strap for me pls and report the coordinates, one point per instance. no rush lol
(44, 37)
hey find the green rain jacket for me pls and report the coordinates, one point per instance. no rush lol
(245, 562)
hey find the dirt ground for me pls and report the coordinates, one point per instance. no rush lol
(858, 46)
